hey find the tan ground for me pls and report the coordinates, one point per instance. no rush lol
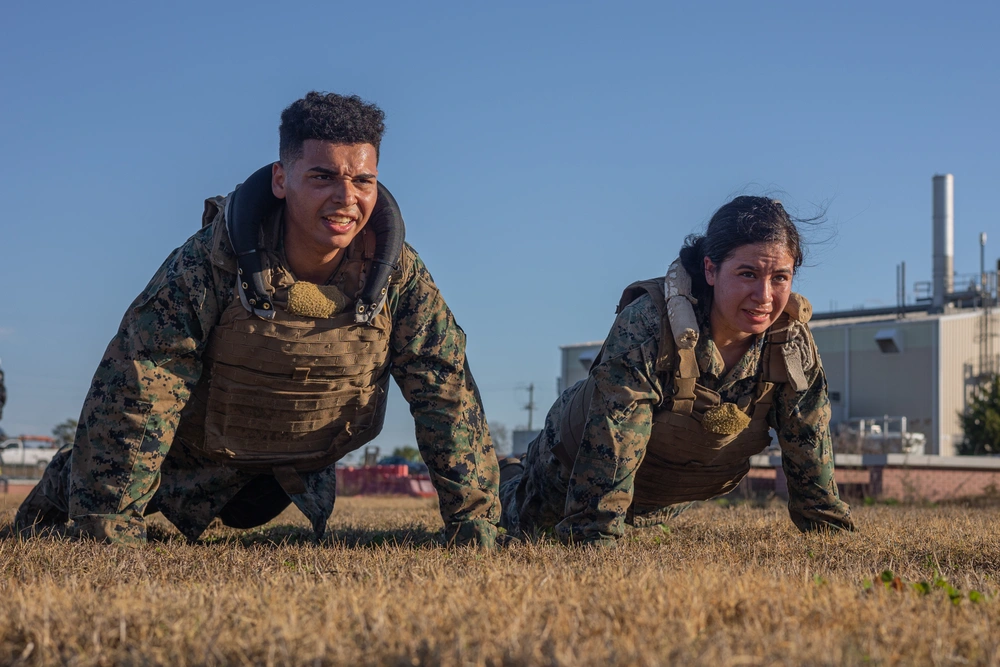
(720, 586)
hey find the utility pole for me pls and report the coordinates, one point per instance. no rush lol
(530, 407)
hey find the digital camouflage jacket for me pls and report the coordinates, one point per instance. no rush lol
(123, 452)
(590, 503)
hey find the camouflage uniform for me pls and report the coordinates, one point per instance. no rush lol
(125, 461)
(591, 502)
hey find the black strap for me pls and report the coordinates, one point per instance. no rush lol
(390, 232)
(250, 204)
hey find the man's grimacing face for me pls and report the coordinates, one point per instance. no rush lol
(329, 192)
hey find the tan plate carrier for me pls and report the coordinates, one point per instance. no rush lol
(684, 461)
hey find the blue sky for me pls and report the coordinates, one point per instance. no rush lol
(544, 154)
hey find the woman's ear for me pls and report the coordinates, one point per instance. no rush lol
(710, 270)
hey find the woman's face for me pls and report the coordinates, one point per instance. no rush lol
(751, 289)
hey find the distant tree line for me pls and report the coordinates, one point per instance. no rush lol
(64, 433)
(981, 420)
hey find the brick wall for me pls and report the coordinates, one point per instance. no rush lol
(890, 477)
(938, 484)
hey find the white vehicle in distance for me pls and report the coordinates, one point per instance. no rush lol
(14, 452)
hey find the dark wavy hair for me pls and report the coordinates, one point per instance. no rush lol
(329, 117)
(742, 221)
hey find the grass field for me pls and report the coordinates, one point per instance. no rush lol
(721, 585)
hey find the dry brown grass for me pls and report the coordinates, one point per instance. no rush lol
(725, 586)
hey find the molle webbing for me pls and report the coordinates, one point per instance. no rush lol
(294, 391)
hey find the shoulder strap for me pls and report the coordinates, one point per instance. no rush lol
(675, 362)
(213, 207)
(782, 362)
(653, 287)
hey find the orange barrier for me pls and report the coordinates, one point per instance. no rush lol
(383, 480)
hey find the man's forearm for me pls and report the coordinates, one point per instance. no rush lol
(429, 365)
(126, 427)
(455, 443)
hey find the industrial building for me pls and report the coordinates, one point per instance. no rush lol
(922, 367)
(920, 362)
(911, 368)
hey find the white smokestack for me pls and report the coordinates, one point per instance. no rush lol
(944, 237)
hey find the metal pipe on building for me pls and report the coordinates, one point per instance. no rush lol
(902, 274)
(847, 374)
(944, 238)
(982, 265)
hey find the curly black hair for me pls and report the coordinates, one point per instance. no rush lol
(343, 119)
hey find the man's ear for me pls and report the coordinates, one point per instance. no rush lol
(278, 180)
(710, 269)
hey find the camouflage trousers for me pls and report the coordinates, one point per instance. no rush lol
(534, 501)
(192, 492)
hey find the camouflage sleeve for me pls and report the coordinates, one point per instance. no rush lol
(429, 365)
(132, 409)
(802, 421)
(619, 422)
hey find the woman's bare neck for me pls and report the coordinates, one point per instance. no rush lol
(732, 345)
